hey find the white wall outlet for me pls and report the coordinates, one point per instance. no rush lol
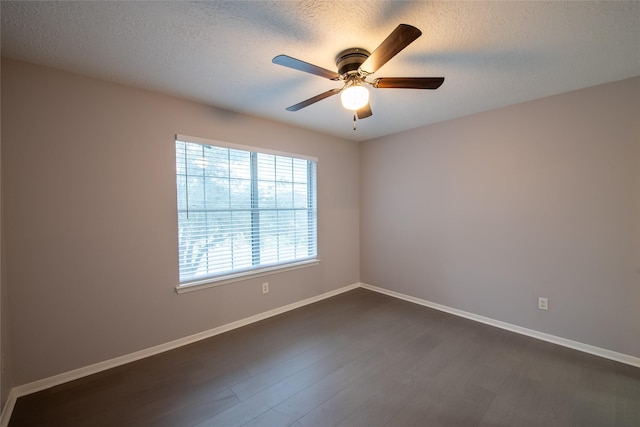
(265, 288)
(543, 303)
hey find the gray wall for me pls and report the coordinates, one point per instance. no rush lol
(90, 219)
(487, 212)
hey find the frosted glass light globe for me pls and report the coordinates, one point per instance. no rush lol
(354, 97)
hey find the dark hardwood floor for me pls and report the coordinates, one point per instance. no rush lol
(358, 359)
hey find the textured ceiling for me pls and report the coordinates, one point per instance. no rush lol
(492, 54)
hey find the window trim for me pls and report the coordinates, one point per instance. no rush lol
(210, 282)
(244, 275)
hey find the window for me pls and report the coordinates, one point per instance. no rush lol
(242, 210)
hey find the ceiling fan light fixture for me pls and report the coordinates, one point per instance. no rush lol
(354, 97)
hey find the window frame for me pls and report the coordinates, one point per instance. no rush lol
(223, 279)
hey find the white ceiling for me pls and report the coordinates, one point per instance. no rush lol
(492, 54)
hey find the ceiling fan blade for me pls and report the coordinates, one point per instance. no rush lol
(297, 64)
(408, 82)
(313, 100)
(364, 112)
(399, 38)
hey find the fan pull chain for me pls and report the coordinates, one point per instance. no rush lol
(354, 122)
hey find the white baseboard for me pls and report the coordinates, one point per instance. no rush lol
(586, 348)
(45, 383)
(5, 415)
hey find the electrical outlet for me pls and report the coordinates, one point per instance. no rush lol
(543, 303)
(265, 288)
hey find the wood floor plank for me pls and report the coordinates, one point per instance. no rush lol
(381, 356)
(326, 342)
(357, 359)
(267, 378)
(409, 348)
(341, 405)
(345, 362)
(341, 393)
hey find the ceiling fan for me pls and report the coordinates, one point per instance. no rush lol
(354, 67)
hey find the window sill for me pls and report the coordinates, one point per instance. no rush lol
(231, 278)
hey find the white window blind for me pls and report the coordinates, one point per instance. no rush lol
(240, 209)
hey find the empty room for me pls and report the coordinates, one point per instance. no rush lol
(320, 213)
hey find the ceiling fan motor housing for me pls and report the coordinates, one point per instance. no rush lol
(349, 60)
